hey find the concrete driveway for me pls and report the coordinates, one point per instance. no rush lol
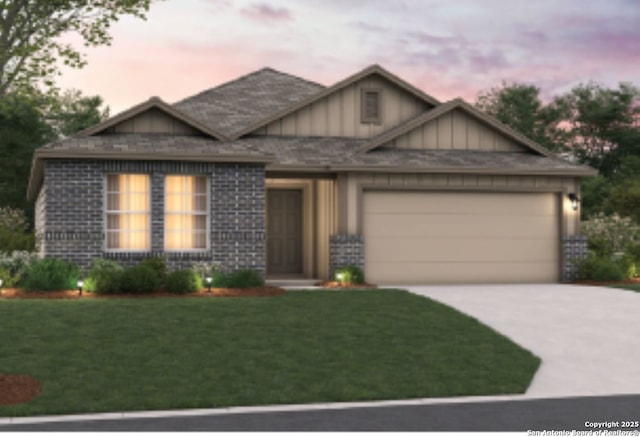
(587, 337)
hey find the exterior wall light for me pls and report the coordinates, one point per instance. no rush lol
(574, 201)
(208, 280)
(80, 285)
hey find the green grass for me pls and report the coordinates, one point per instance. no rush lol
(305, 346)
(632, 287)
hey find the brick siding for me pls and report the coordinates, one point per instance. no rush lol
(70, 212)
(573, 248)
(344, 250)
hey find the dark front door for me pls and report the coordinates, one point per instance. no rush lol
(284, 231)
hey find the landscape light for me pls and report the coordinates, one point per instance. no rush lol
(80, 285)
(208, 281)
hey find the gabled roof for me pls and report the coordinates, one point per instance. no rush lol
(231, 107)
(444, 108)
(153, 102)
(373, 69)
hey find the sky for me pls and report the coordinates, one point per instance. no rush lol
(447, 48)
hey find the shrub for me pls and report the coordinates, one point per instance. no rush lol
(104, 276)
(350, 275)
(13, 231)
(183, 281)
(139, 279)
(13, 219)
(158, 265)
(610, 234)
(204, 269)
(11, 241)
(595, 267)
(14, 266)
(238, 279)
(49, 274)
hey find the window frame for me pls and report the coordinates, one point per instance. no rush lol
(107, 211)
(207, 215)
(364, 118)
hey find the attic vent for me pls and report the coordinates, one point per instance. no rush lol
(371, 107)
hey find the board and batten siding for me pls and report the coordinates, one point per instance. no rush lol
(353, 185)
(339, 114)
(153, 121)
(456, 130)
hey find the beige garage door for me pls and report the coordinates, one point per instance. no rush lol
(442, 237)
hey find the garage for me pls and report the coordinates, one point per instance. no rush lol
(418, 237)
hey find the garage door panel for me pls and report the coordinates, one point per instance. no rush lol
(457, 250)
(442, 273)
(461, 203)
(430, 225)
(453, 237)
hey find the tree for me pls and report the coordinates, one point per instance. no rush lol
(602, 124)
(72, 112)
(519, 106)
(30, 46)
(22, 128)
(28, 121)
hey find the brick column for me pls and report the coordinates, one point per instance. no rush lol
(573, 248)
(345, 250)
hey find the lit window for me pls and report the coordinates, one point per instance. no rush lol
(128, 212)
(371, 106)
(185, 220)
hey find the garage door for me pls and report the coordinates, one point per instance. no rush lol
(443, 237)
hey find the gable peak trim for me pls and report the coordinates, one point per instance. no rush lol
(457, 103)
(372, 69)
(151, 103)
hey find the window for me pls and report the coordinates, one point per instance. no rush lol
(371, 111)
(185, 219)
(128, 212)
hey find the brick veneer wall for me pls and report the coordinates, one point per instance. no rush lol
(71, 222)
(573, 248)
(346, 249)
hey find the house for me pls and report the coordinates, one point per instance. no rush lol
(292, 178)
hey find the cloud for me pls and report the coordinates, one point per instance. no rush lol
(265, 13)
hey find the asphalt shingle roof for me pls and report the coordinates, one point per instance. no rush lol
(315, 151)
(231, 107)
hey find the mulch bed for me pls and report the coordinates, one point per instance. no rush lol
(13, 293)
(337, 285)
(17, 389)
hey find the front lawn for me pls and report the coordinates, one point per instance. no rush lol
(631, 286)
(304, 346)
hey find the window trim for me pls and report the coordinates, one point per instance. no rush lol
(207, 215)
(106, 212)
(363, 113)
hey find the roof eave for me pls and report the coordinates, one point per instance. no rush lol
(36, 175)
(578, 172)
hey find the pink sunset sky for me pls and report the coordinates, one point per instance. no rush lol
(448, 48)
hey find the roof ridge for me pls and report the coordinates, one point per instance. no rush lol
(243, 77)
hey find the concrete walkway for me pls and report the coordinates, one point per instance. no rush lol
(587, 337)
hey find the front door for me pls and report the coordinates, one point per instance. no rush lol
(284, 232)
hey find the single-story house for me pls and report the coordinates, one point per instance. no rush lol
(294, 179)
